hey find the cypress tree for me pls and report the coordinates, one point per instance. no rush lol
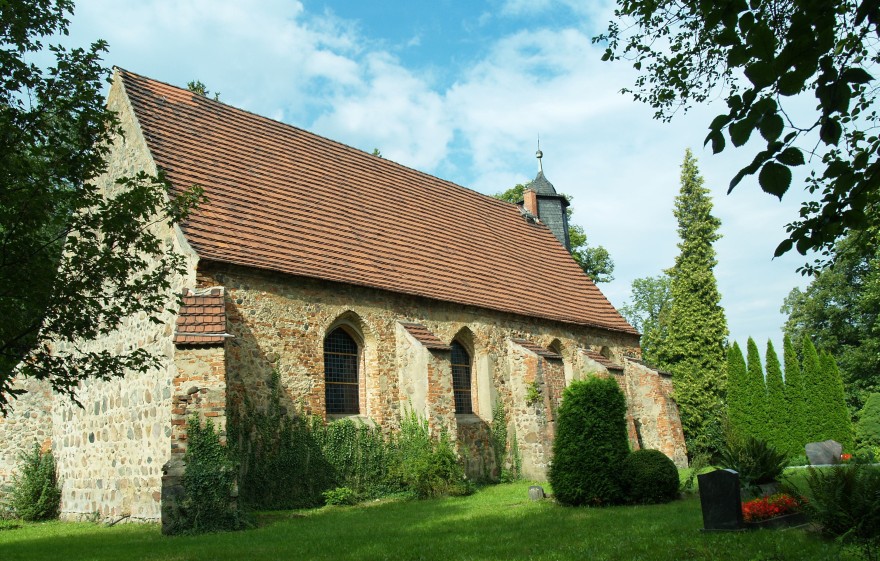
(837, 423)
(777, 407)
(868, 427)
(695, 347)
(794, 396)
(814, 406)
(737, 409)
(756, 393)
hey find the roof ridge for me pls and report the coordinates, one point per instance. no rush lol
(313, 134)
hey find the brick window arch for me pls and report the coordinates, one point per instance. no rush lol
(461, 378)
(341, 376)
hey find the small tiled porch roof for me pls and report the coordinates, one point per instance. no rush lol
(425, 337)
(202, 318)
(537, 349)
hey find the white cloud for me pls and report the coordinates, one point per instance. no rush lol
(393, 110)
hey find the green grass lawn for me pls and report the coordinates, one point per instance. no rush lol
(497, 523)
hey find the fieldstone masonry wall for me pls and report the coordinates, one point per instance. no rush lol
(279, 323)
(110, 452)
(30, 423)
(655, 414)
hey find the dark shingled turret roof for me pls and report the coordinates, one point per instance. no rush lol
(286, 200)
(541, 186)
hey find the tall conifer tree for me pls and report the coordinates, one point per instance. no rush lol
(777, 407)
(814, 406)
(794, 396)
(837, 423)
(756, 393)
(737, 408)
(694, 350)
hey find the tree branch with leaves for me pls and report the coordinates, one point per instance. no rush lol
(760, 55)
(74, 263)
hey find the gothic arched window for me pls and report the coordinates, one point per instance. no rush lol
(461, 378)
(341, 359)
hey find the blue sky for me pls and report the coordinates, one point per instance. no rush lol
(462, 90)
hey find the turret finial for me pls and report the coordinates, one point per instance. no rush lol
(539, 155)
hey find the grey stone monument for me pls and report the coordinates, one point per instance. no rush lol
(720, 500)
(536, 492)
(823, 453)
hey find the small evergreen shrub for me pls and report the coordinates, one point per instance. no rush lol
(590, 445)
(208, 503)
(36, 494)
(845, 501)
(341, 496)
(756, 461)
(649, 477)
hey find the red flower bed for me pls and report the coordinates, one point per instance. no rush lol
(770, 507)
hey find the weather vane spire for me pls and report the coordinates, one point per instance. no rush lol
(539, 155)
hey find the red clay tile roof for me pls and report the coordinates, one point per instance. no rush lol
(603, 360)
(202, 319)
(284, 199)
(537, 349)
(425, 337)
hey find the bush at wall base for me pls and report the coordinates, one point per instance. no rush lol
(35, 494)
(649, 477)
(590, 445)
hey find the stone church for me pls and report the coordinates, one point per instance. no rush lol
(369, 287)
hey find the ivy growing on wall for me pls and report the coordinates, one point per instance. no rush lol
(292, 461)
(504, 446)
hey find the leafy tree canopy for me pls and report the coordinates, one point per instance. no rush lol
(647, 310)
(595, 261)
(761, 54)
(840, 311)
(74, 264)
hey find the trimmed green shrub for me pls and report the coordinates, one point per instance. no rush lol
(756, 461)
(845, 501)
(35, 494)
(590, 445)
(208, 503)
(649, 477)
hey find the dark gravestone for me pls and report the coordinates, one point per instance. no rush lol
(536, 492)
(720, 499)
(823, 453)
